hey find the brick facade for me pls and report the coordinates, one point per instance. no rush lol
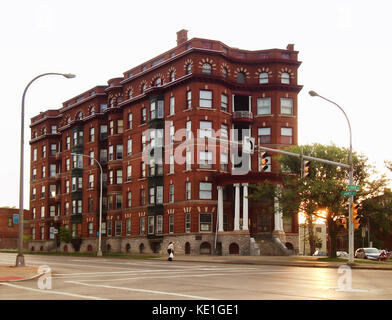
(208, 82)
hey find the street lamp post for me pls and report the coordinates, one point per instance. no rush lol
(351, 198)
(99, 252)
(20, 257)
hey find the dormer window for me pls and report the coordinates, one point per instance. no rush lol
(206, 68)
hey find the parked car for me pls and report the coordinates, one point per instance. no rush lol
(367, 253)
(320, 253)
(342, 254)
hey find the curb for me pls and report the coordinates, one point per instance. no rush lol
(294, 264)
(23, 279)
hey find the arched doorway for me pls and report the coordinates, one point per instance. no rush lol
(187, 248)
(89, 248)
(65, 248)
(234, 248)
(128, 248)
(141, 248)
(290, 247)
(108, 248)
(205, 248)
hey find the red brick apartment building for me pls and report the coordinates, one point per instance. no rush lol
(8, 229)
(168, 108)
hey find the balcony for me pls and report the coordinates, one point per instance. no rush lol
(242, 117)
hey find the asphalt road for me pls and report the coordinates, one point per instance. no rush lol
(92, 278)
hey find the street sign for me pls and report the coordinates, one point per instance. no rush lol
(15, 218)
(349, 193)
(351, 187)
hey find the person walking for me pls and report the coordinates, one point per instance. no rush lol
(170, 251)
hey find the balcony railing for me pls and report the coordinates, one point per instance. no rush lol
(242, 115)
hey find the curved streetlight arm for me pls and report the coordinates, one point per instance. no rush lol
(20, 258)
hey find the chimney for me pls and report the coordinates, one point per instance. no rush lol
(182, 36)
(290, 47)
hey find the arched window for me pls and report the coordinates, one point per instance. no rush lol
(143, 88)
(111, 103)
(91, 110)
(118, 100)
(285, 78)
(130, 93)
(206, 68)
(158, 82)
(79, 115)
(188, 68)
(241, 77)
(263, 77)
(224, 72)
(172, 76)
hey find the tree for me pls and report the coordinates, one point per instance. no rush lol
(65, 235)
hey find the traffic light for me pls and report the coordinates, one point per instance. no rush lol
(344, 222)
(306, 168)
(264, 161)
(355, 216)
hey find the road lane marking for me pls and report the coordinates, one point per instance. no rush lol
(53, 292)
(142, 290)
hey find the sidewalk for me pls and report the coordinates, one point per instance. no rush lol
(293, 261)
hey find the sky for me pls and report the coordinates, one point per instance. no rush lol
(344, 47)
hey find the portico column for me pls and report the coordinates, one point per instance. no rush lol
(237, 207)
(278, 213)
(245, 207)
(220, 208)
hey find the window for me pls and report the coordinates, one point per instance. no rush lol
(158, 82)
(171, 193)
(119, 151)
(224, 72)
(111, 153)
(143, 115)
(66, 208)
(205, 191)
(53, 129)
(224, 102)
(34, 174)
(159, 225)
(189, 130)
(77, 161)
(224, 132)
(205, 129)
(285, 78)
(34, 154)
(286, 106)
(91, 181)
(52, 191)
(43, 151)
(33, 233)
(189, 68)
(52, 170)
(224, 161)
(92, 135)
(67, 143)
(189, 99)
(109, 228)
(188, 187)
(171, 223)
(42, 233)
(128, 226)
(241, 77)
(172, 76)
(53, 149)
(286, 135)
(263, 77)
(205, 159)
(10, 223)
(52, 211)
(205, 100)
(129, 199)
(150, 227)
(78, 138)
(152, 110)
(143, 169)
(263, 106)
(206, 68)
(160, 110)
(111, 177)
(143, 142)
(118, 201)
(91, 154)
(143, 88)
(205, 222)
(42, 212)
(142, 197)
(103, 132)
(103, 107)
(152, 195)
(171, 105)
(42, 192)
(90, 228)
(119, 176)
(129, 172)
(111, 127)
(171, 134)
(90, 204)
(264, 135)
(188, 160)
(187, 222)
(130, 120)
(34, 192)
(142, 225)
(103, 156)
(66, 186)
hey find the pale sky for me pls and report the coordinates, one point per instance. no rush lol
(344, 46)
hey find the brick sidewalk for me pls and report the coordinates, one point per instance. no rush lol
(12, 273)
